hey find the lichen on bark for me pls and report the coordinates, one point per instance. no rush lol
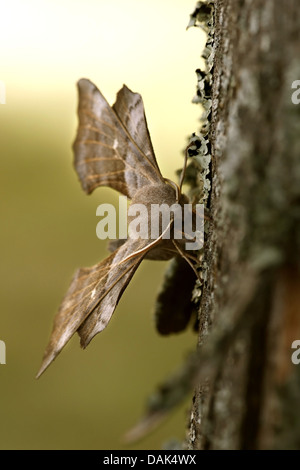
(250, 304)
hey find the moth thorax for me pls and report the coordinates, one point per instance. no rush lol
(151, 210)
(155, 194)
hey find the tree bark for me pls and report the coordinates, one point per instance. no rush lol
(247, 395)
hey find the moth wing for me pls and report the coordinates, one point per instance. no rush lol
(92, 298)
(129, 108)
(174, 308)
(113, 147)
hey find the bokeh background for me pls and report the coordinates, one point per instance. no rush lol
(86, 399)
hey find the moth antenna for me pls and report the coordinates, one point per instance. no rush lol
(186, 259)
(175, 185)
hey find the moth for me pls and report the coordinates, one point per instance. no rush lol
(113, 148)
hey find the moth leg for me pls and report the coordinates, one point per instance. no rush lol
(186, 257)
(192, 258)
(185, 238)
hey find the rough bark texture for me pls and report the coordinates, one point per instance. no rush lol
(250, 303)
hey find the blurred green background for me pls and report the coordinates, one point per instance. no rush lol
(86, 399)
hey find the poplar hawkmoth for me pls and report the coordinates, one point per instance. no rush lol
(113, 148)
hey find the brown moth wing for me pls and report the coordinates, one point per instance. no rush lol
(129, 107)
(92, 298)
(174, 308)
(106, 153)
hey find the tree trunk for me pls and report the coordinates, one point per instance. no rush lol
(247, 396)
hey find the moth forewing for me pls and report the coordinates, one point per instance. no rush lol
(106, 152)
